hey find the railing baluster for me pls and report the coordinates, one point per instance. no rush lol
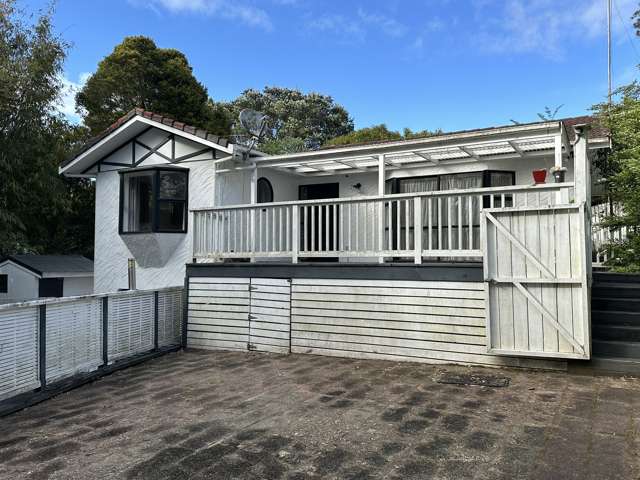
(470, 222)
(417, 228)
(406, 224)
(459, 222)
(335, 227)
(398, 222)
(313, 229)
(295, 240)
(430, 223)
(357, 222)
(390, 225)
(449, 223)
(349, 227)
(340, 224)
(439, 223)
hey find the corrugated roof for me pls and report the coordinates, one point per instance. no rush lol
(597, 131)
(42, 264)
(155, 117)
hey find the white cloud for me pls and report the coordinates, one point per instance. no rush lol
(543, 26)
(356, 27)
(67, 101)
(228, 9)
(388, 25)
(339, 25)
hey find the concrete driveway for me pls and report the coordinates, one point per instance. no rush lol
(219, 415)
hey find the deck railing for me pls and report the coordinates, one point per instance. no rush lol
(604, 236)
(48, 340)
(412, 225)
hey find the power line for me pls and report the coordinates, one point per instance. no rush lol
(626, 31)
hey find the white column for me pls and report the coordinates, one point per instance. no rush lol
(558, 150)
(253, 199)
(214, 187)
(581, 165)
(381, 178)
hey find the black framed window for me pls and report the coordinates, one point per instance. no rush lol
(265, 191)
(154, 200)
(4, 283)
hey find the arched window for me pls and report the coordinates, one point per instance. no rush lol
(265, 191)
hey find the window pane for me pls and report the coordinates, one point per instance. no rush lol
(138, 202)
(171, 216)
(173, 185)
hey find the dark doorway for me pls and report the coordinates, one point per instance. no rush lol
(50, 287)
(323, 220)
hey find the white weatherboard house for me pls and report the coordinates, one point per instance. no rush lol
(27, 277)
(438, 249)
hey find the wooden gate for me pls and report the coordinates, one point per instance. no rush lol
(536, 281)
(270, 315)
(239, 314)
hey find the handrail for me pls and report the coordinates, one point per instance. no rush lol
(399, 196)
(56, 300)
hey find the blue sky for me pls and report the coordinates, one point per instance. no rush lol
(450, 64)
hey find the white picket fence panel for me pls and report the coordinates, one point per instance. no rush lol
(170, 307)
(130, 325)
(73, 334)
(18, 351)
(74, 338)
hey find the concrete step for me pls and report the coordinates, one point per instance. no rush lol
(618, 304)
(616, 349)
(618, 333)
(616, 290)
(613, 317)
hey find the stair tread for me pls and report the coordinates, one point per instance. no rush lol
(626, 285)
(616, 342)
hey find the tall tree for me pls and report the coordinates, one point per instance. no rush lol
(139, 74)
(378, 133)
(297, 121)
(40, 212)
(621, 170)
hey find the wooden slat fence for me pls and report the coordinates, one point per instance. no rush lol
(49, 340)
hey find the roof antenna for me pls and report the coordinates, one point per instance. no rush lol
(255, 125)
(609, 48)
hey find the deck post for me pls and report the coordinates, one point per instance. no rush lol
(42, 345)
(557, 150)
(417, 229)
(253, 199)
(582, 172)
(295, 238)
(105, 331)
(381, 178)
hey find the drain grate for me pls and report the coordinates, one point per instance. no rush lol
(473, 379)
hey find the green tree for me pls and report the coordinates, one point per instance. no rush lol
(139, 74)
(40, 212)
(297, 121)
(621, 170)
(378, 133)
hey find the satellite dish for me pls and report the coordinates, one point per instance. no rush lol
(255, 124)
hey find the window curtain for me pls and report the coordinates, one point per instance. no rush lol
(464, 181)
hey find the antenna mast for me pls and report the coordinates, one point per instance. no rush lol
(609, 48)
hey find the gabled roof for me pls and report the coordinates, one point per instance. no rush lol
(145, 119)
(44, 264)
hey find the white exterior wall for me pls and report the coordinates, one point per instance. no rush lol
(72, 286)
(285, 186)
(160, 257)
(22, 284)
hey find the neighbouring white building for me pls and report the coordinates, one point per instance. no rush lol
(436, 249)
(27, 277)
